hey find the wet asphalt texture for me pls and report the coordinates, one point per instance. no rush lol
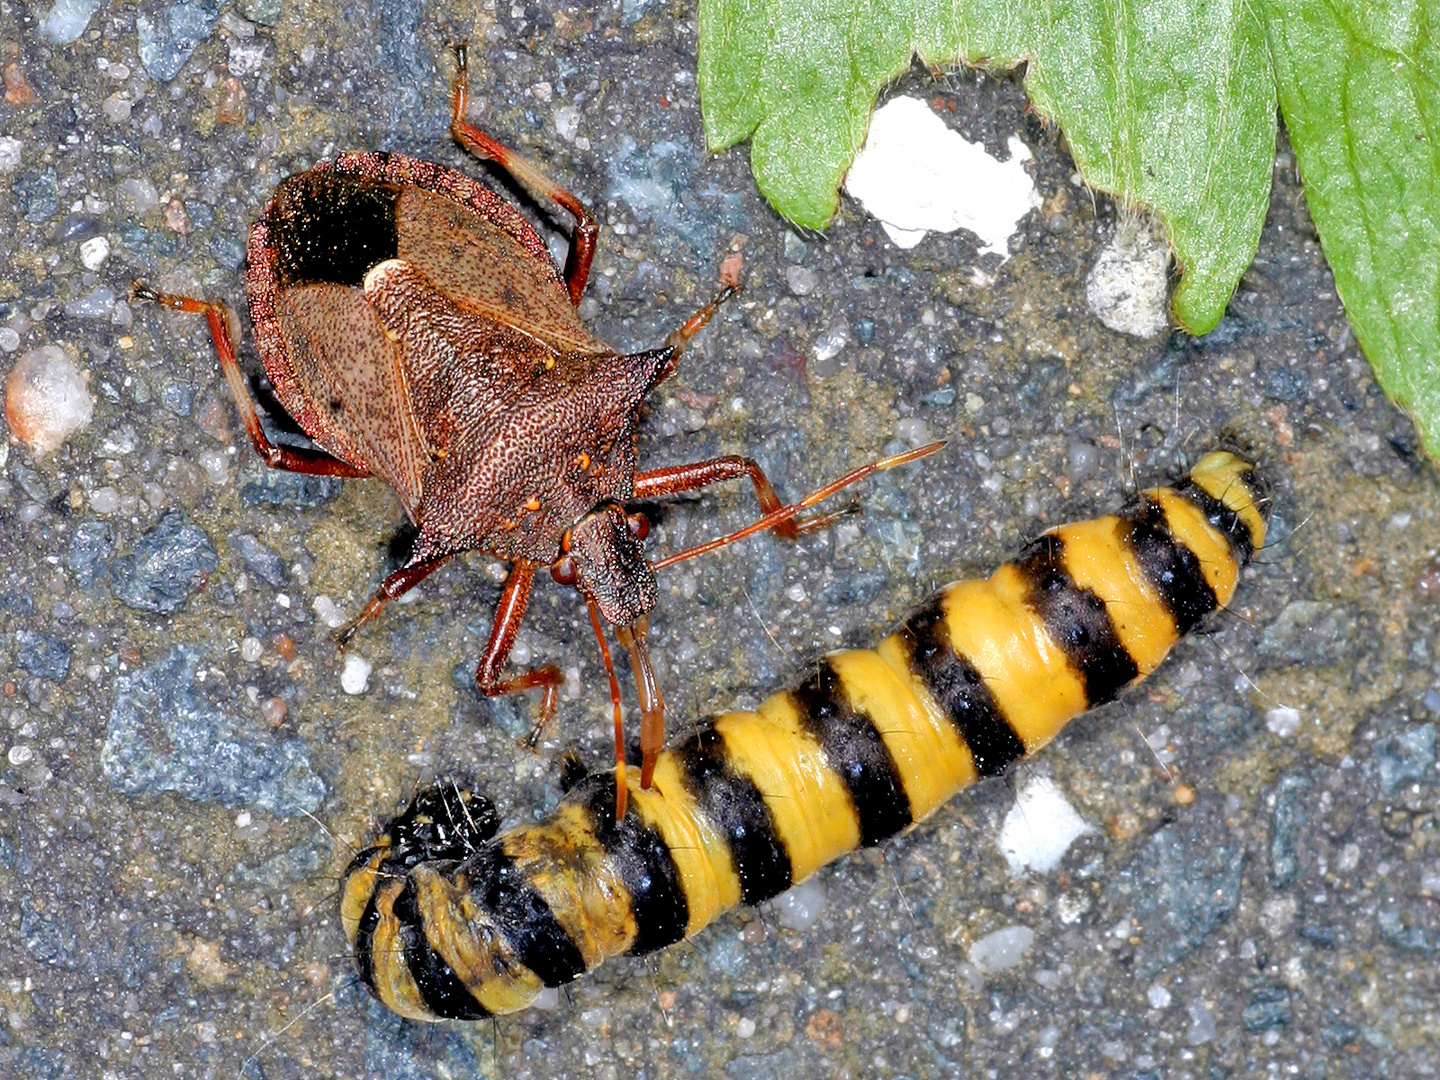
(183, 775)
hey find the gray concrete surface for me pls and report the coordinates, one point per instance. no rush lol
(180, 788)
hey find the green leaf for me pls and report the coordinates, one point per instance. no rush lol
(1166, 103)
(1359, 92)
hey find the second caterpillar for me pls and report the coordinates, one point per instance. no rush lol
(448, 921)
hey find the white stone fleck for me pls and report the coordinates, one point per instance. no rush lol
(10, 148)
(744, 1027)
(1158, 996)
(1128, 287)
(1277, 914)
(355, 676)
(1039, 828)
(243, 819)
(1283, 720)
(327, 611)
(1001, 949)
(250, 649)
(20, 754)
(567, 122)
(116, 108)
(829, 344)
(67, 20)
(105, 500)
(9, 339)
(917, 175)
(215, 464)
(94, 252)
(46, 399)
(797, 908)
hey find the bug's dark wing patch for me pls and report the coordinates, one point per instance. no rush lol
(960, 691)
(1077, 620)
(1169, 566)
(855, 751)
(737, 809)
(329, 228)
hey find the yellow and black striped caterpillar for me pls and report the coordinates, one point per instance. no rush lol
(449, 921)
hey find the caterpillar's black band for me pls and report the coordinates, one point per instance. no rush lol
(958, 689)
(521, 914)
(854, 749)
(1221, 518)
(645, 866)
(1169, 566)
(1076, 620)
(735, 806)
(440, 988)
(364, 939)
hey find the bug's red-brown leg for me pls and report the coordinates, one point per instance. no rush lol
(392, 588)
(770, 520)
(674, 479)
(582, 243)
(621, 791)
(508, 615)
(290, 458)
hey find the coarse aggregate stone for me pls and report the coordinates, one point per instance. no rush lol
(1251, 903)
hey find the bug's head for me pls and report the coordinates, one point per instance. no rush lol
(604, 558)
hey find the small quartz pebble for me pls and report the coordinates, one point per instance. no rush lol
(1283, 720)
(10, 148)
(355, 676)
(46, 400)
(327, 611)
(94, 252)
(799, 907)
(250, 649)
(1002, 949)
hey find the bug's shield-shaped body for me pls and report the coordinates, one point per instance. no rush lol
(753, 802)
(414, 324)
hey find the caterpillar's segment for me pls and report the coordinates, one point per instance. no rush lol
(445, 925)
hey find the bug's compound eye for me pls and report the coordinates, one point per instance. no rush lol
(563, 570)
(639, 525)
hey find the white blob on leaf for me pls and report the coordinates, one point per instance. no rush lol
(1039, 828)
(918, 176)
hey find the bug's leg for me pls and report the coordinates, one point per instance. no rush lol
(621, 790)
(223, 330)
(392, 588)
(582, 243)
(508, 615)
(770, 520)
(674, 479)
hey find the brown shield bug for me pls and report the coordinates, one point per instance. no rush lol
(415, 326)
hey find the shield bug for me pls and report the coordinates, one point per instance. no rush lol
(415, 327)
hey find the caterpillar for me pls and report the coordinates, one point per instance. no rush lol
(446, 920)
